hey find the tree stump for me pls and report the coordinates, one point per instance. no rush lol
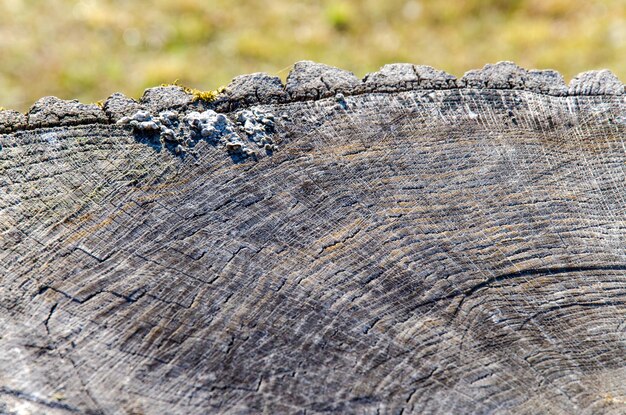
(408, 243)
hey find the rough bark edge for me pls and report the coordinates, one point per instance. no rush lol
(312, 81)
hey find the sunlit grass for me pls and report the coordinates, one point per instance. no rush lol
(88, 49)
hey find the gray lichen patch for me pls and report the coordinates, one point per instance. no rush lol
(546, 81)
(315, 80)
(258, 126)
(179, 132)
(217, 127)
(119, 105)
(209, 124)
(11, 120)
(402, 76)
(254, 89)
(165, 97)
(169, 123)
(602, 82)
(430, 77)
(312, 81)
(502, 75)
(53, 111)
(507, 75)
(166, 125)
(141, 121)
(391, 77)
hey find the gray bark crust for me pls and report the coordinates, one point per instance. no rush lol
(409, 243)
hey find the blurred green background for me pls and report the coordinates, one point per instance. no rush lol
(88, 49)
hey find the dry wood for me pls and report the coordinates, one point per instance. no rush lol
(406, 243)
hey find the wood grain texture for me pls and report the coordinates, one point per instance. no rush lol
(416, 244)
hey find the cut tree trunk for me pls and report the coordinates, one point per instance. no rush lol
(405, 243)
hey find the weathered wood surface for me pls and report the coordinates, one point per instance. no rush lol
(415, 244)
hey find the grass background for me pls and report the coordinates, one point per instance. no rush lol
(88, 49)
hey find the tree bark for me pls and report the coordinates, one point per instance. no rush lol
(406, 243)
